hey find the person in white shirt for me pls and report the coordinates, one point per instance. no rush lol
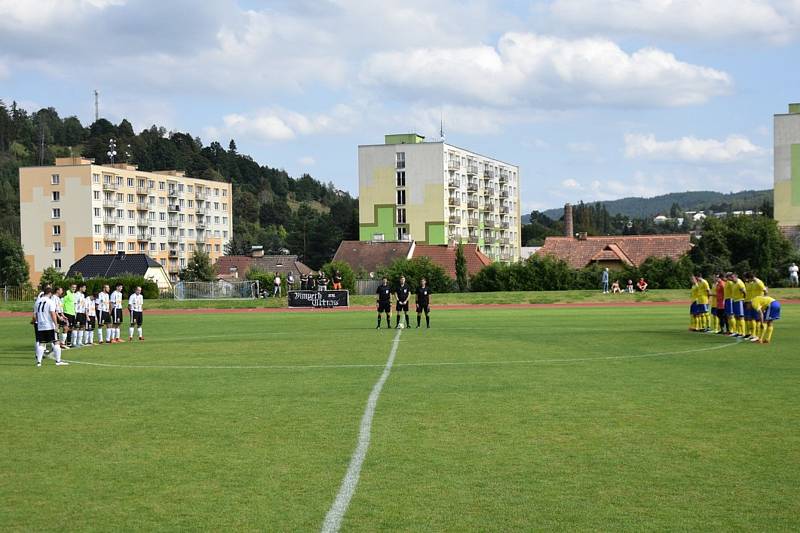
(136, 308)
(91, 321)
(61, 319)
(116, 314)
(276, 285)
(80, 316)
(33, 320)
(103, 315)
(793, 273)
(46, 318)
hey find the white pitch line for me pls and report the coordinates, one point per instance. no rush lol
(422, 363)
(333, 520)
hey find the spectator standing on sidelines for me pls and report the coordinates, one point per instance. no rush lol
(337, 281)
(604, 280)
(322, 281)
(290, 282)
(136, 308)
(276, 286)
(793, 275)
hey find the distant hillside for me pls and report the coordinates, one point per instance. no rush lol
(635, 207)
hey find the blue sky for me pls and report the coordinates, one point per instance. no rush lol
(594, 99)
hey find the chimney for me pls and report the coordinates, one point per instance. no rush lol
(568, 229)
(256, 251)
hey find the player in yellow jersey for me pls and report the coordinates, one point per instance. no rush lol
(739, 294)
(693, 322)
(729, 312)
(769, 310)
(753, 287)
(703, 296)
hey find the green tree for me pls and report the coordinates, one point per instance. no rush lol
(198, 269)
(13, 267)
(51, 277)
(462, 279)
(348, 276)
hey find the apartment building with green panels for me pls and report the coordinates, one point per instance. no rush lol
(437, 193)
(787, 171)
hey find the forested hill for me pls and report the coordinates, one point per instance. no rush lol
(635, 207)
(272, 209)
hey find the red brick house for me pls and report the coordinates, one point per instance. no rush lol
(615, 252)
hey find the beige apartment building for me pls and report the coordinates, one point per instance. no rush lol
(76, 207)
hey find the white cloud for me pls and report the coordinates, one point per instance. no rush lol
(307, 161)
(774, 21)
(277, 124)
(732, 148)
(571, 184)
(41, 13)
(543, 71)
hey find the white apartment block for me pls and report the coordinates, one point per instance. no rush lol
(77, 208)
(437, 193)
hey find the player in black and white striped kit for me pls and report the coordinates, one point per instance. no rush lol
(136, 309)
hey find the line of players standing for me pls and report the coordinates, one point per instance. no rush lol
(69, 320)
(402, 295)
(740, 309)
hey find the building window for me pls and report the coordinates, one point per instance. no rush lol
(130, 214)
(402, 231)
(191, 203)
(152, 247)
(140, 182)
(182, 203)
(95, 178)
(225, 220)
(56, 230)
(401, 197)
(57, 264)
(224, 207)
(162, 185)
(162, 246)
(190, 188)
(152, 231)
(56, 212)
(224, 192)
(401, 216)
(191, 247)
(225, 233)
(120, 213)
(216, 247)
(162, 232)
(55, 179)
(57, 247)
(151, 184)
(216, 206)
(96, 246)
(120, 230)
(191, 232)
(401, 159)
(131, 247)
(401, 178)
(182, 247)
(216, 220)
(96, 195)
(97, 228)
(130, 199)
(120, 197)
(161, 201)
(142, 247)
(131, 230)
(56, 196)
(181, 218)
(130, 182)
(97, 211)
(216, 192)
(119, 181)
(162, 216)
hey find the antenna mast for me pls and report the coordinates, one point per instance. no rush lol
(96, 106)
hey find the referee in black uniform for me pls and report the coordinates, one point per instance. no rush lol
(423, 302)
(384, 300)
(403, 293)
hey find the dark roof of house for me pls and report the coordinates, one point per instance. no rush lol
(267, 263)
(445, 256)
(371, 256)
(111, 265)
(631, 250)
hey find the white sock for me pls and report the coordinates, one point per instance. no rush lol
(64, 338)
(118, 332)
(140, 332)
(39, 352)
(87, 336)
(108, 334)
(57, 351)
(99, 334)
(130, 332)
(76, 337)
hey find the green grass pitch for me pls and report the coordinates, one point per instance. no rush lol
(495, 419)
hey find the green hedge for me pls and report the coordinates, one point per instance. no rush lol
(95, 285)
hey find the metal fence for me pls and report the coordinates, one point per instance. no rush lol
(367, 286)
(19, 294)
(220, 289)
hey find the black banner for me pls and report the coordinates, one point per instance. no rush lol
(320, 299)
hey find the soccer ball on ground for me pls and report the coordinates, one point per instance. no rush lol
(401, 325)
